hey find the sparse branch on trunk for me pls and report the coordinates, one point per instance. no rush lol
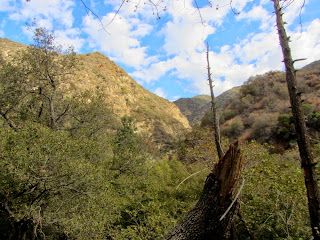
(307, 162)
(9, 122)
(220, 189)
(214, 111)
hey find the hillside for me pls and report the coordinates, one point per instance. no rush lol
(157, 117)
(195, 108)
(261, 110)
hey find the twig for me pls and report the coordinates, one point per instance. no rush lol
(234, 200)
(92, 12)
(191, 176)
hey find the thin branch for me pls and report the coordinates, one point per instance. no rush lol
(191, 176)
(117, 12)
(63, 113)
(300, 19)
(88, 10)
(202, 22)
(234, 200)
(11, 125)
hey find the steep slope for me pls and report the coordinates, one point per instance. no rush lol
(195, 108)
(157, 117)
(262, 111)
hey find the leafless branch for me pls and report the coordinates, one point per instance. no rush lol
(117, 12)
(191, 176)
(88, 10)
(199, 12)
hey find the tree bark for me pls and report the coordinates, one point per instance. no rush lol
(216, 128)
(302, 136)
(209, 219)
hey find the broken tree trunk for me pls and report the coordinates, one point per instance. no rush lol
(214, 111)
(212, 215)
(307, 163)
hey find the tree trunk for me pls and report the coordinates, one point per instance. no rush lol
(209, 219)
(214, 112)
(302, 136)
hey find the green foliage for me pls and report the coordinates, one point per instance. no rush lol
(285, 126)
(80, 178)
(234, 129)
(128, 150)
(307, 108)
(313, 120)
(40, 170)
(273, 200)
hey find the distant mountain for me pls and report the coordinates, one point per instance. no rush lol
(261, 111)
(159, 119)
(252, 111)
(195, 108)
(313, 65)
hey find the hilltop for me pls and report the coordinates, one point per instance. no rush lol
(261, 108)
(195, 108)
(159, 119)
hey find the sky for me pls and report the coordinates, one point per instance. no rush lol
(162, 43)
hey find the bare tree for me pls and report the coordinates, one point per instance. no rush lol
(213, 214)
(307, 162)
(214, 111)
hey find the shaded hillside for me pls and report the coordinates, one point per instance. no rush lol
(262, 111)
(157, 117)
(195, 108)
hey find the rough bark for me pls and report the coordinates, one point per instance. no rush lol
(204, 221)
(216, 128)
(302, 136)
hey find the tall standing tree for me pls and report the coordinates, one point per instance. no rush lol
(307, 162)
(214, 111)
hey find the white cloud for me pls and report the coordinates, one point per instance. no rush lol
(306, 44)
(121, 42)
(257, 13)
(160, 92)
(292, 11)
(1, 33)
(174, 98)
(69, 37)
(153, 72)
(7, 5)
(47, 13)
(184, 36)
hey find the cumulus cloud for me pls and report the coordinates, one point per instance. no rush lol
(47, 13)
(306, 44)
(121, 40)
(160, 92)
(69, 37)
(257, 13)
(7, 5)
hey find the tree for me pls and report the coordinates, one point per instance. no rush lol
(128, 152)
(307, 162)
(214, 111)
(46, 71)
(213, 214)
(11, 91)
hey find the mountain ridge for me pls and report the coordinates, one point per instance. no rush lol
(160, 119)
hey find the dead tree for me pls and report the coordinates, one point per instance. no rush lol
(307, 162)
(213, 214)
(217, 137)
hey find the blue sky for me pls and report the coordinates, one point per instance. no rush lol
(167, 56)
